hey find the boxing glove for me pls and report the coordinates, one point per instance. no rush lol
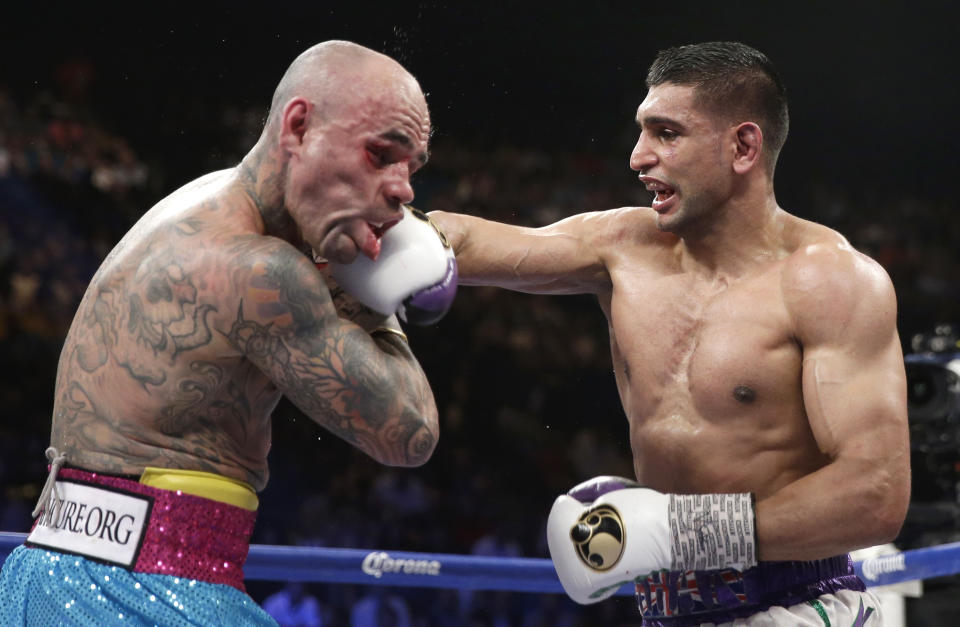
(415, 275)
(608, 531)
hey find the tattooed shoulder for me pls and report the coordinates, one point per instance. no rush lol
(279, 286)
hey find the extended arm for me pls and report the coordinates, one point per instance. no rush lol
(562, 258)
(372, 393)
(854, 391)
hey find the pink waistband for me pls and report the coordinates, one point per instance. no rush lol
(187, 536)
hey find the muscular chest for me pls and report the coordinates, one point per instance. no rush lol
(695, 348)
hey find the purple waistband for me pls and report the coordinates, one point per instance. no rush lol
(678, 598)
(187, 536)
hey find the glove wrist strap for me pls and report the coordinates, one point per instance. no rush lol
(390, 330)
(712, 531)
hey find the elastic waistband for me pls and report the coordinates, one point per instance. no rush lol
(678, 598)
(205, 484)
(186, 535)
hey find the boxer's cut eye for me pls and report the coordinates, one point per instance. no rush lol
(378, 157)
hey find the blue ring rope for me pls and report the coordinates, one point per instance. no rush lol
(515, 574)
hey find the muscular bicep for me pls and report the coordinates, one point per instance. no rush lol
(843, 312)
(372, 395)
(856, 404)
(854, 385)
(563, 258)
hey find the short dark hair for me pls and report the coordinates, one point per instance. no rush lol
(732, 80)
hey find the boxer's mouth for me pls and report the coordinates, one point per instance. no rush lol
(661, 190)
(380, 229)
(371, 247)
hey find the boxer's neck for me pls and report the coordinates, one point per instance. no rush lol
(261, 175)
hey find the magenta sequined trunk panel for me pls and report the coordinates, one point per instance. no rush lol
(187, 536)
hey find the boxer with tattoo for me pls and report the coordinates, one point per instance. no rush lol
(209, 310)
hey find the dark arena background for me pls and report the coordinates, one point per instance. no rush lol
(105, 108)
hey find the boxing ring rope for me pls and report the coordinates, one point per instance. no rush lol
(471, 572)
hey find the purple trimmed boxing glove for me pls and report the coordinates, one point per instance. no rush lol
(609, 531)
(415, 275)
(428, 305)
(591, 489)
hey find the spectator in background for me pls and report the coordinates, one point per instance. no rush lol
(380, 608)
(293, 606)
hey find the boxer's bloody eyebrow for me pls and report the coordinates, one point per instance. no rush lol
(404, 140)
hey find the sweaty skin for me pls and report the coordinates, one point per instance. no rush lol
(735, 383)
(211, 307)
(753, 351)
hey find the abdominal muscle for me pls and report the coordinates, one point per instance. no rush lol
(690, 454)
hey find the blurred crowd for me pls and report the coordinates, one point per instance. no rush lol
(524, 384)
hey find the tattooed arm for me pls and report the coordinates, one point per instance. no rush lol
(373, 394)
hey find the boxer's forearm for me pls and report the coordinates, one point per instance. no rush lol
(846, 505)
(413, 412)
(475, 264)
(456, 227)
(555, 259)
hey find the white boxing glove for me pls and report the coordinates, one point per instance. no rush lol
(415, 275)
(624, 531)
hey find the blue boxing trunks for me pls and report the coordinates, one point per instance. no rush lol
(111, 550)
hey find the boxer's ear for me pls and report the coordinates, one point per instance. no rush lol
(294, 122)
(747, 146)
